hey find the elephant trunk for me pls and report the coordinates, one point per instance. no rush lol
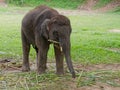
(66, 50)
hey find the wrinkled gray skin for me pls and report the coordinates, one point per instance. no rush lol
(41, 27)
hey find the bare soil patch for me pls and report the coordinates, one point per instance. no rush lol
(11, 65)
(113, 49)
(75, 12)
(115, 31)
(89, 5)
(108, 67)
(110, 6)
(2, 3)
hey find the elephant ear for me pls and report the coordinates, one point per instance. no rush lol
(45, 28)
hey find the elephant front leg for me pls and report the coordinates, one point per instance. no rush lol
(59, 60)
(26, 49)
(42, 59)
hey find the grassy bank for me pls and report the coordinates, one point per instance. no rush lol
(66, 4)
(102, 3)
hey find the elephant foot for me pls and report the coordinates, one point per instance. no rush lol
(25, 68)
(73, 75)
(60, 73)
(40, 72)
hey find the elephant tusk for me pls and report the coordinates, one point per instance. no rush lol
(60, 44)
(53, 41)
(61, 49)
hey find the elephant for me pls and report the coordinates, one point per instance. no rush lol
(41, 27)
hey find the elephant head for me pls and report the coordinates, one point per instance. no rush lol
(57, 30)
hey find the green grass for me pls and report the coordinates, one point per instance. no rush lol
(91, 78)
(91, 40)
(91, 37)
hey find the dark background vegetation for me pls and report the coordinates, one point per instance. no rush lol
(66, 4)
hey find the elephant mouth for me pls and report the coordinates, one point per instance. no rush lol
(52, 41)
(57, 44)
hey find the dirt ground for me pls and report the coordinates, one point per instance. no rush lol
(11, 66)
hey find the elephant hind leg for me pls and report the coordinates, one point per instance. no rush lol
(26, 50)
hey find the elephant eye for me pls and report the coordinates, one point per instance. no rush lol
(55, 33)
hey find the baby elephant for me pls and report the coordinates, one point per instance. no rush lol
(41, 27)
